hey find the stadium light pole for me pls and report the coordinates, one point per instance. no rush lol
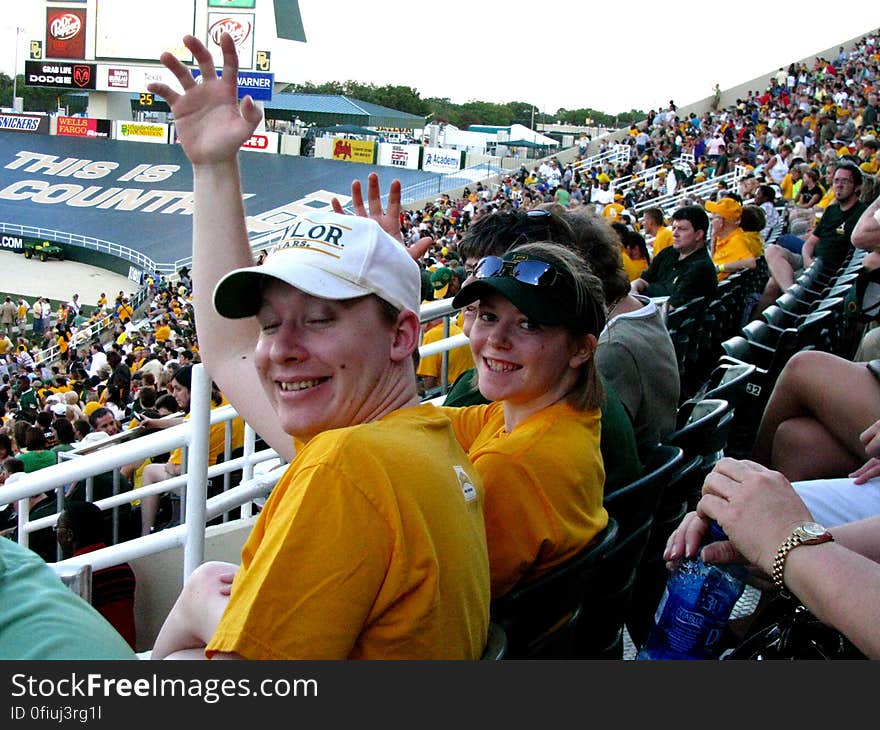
(18, 32)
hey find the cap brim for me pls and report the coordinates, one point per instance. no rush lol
(239, 294)
(440, 292)
(538, 303)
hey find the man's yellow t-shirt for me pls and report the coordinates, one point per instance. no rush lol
(360, 554)
(662, 240)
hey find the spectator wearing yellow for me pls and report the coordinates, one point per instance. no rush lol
(657, 235)
(730, 248)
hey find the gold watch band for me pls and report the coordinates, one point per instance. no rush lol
(791, 542)
(809, 533)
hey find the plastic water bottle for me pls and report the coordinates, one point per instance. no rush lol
(695, 608)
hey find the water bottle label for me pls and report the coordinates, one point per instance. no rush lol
(693, 613)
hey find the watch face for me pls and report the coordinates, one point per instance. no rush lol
(813, 532)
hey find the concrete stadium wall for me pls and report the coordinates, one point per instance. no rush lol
(98, 258)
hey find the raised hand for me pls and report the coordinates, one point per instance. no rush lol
(388, 219)
(211, 125)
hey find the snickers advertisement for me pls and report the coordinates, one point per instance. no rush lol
(60, 75)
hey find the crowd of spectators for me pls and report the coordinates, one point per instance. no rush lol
(790, 141)
(117, 379)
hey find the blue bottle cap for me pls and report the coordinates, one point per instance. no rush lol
(716, 534)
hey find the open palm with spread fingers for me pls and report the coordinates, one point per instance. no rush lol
(210, 123)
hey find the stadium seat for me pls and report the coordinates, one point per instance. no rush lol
(703, 430)
(651, 573)
(539, 616)
(496, 644)
(599, 632)
(729, 381)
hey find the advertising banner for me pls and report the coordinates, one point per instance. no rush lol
(439, 160)
(60, 75)
(241, 27)
(256, 83)
(29, 123)
(262, 142)
(83, 127)
(122, 77)
(354, 150)
(152, 132)
(399, 155)
(127, 31)
(65, 33)
(12, 243)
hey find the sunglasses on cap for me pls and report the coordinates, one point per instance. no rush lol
(528, 271)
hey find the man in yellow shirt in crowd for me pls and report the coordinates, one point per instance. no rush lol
(730, 246)
(657, 235)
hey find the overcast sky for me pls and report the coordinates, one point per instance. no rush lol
(608, 56)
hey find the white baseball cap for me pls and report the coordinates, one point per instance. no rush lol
(331, 256)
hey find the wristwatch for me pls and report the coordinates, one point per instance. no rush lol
(809, 533)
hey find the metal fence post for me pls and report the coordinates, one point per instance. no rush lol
(197, 470)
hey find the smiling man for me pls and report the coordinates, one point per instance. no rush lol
(361, 551)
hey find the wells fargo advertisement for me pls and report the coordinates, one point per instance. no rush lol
(83, 127)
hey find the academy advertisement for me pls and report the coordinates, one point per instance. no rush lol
(436, 159)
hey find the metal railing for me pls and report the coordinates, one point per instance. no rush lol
(93, 244)
(703, 189)
(192, 437)
(83, 335)
(617, 154)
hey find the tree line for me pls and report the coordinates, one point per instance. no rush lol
(401, 98)
(437, 109)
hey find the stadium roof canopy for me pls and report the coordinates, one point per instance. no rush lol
(326, 110)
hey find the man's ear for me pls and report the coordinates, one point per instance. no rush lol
(405, 335)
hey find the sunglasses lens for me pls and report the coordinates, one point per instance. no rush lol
(536, 273)
(488, 266)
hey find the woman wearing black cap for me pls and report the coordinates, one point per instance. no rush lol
(536, 445)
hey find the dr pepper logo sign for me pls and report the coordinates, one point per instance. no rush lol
(65, 33)
(240, 27)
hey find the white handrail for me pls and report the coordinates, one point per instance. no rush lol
(191, 435)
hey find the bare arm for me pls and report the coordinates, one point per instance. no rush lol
(866, 234)
(839, 581)
(807, 250)
(746, 263)
(212, 127)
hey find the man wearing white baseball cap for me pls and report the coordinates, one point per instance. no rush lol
(361, 550)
